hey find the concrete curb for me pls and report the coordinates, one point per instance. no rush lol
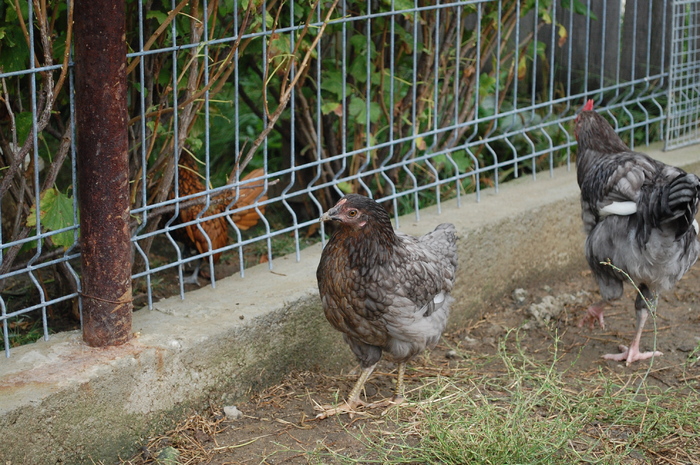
(64, 402)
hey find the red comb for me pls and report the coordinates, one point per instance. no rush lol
(588, 106)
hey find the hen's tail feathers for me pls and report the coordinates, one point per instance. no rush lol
(249, 193)
(673, 205)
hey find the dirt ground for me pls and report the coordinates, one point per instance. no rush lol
(278, 425)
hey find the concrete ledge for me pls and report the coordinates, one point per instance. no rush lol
(63, 402)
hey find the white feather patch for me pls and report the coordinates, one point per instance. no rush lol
(438, 299)
(696, 227)
(619, 208)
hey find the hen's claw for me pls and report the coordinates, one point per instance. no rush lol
(593, 313)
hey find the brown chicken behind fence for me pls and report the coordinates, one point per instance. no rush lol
(216, 229)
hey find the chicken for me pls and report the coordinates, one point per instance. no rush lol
(386, 291)
(639, 215)
(189, 182)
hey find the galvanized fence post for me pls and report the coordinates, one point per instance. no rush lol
(103, 170)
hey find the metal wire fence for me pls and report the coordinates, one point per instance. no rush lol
(249, 118)
(684, 90)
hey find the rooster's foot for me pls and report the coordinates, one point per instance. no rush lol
(631, 355)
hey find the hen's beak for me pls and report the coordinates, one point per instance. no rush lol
(330, 215)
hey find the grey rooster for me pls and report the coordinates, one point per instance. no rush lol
(639, 215)
(387, 292)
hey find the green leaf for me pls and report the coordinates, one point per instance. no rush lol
(158, 15)
(331, 107)
(358, 69)
(358, 109)
(579, 8)
(14, 52)
(195, 143)
(487, 85)
(24, 126)
(332, 82)
(400, 4)
(346, 187)
(55, 212)
(11, 16)
(463, 161)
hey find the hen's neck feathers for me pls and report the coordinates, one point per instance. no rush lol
(374, 242)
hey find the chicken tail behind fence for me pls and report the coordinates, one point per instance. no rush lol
(249, 193)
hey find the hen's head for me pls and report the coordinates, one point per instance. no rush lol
(358, 212)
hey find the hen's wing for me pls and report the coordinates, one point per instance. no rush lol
(420, 310)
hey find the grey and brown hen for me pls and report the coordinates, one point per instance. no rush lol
(386, 291)
(639, 215)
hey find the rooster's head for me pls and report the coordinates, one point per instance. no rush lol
(588, 106)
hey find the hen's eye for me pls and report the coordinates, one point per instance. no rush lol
(352, 213)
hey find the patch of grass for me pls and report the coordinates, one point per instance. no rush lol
(23, 329)
(531, 414)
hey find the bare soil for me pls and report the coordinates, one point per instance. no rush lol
(279, 426)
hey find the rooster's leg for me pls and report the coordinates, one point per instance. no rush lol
(594, 313)
(631, 354)
(354, 401)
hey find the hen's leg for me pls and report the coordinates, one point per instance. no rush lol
(631, 354)
(398, 392)
(354, 401)
(193, 278)
(594, 313)
(398, 397)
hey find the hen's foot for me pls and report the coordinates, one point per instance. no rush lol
(387, 404)
(346, 407)
(593, 313)
(192, 279)
(631, 355)
(351, 408)
(396, 400)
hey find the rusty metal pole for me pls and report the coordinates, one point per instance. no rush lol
(103, 170)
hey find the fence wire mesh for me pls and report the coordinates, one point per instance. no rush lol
(684, 89)
(248, 119)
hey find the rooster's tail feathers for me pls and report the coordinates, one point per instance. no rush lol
(671, 206)
(682, 200)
